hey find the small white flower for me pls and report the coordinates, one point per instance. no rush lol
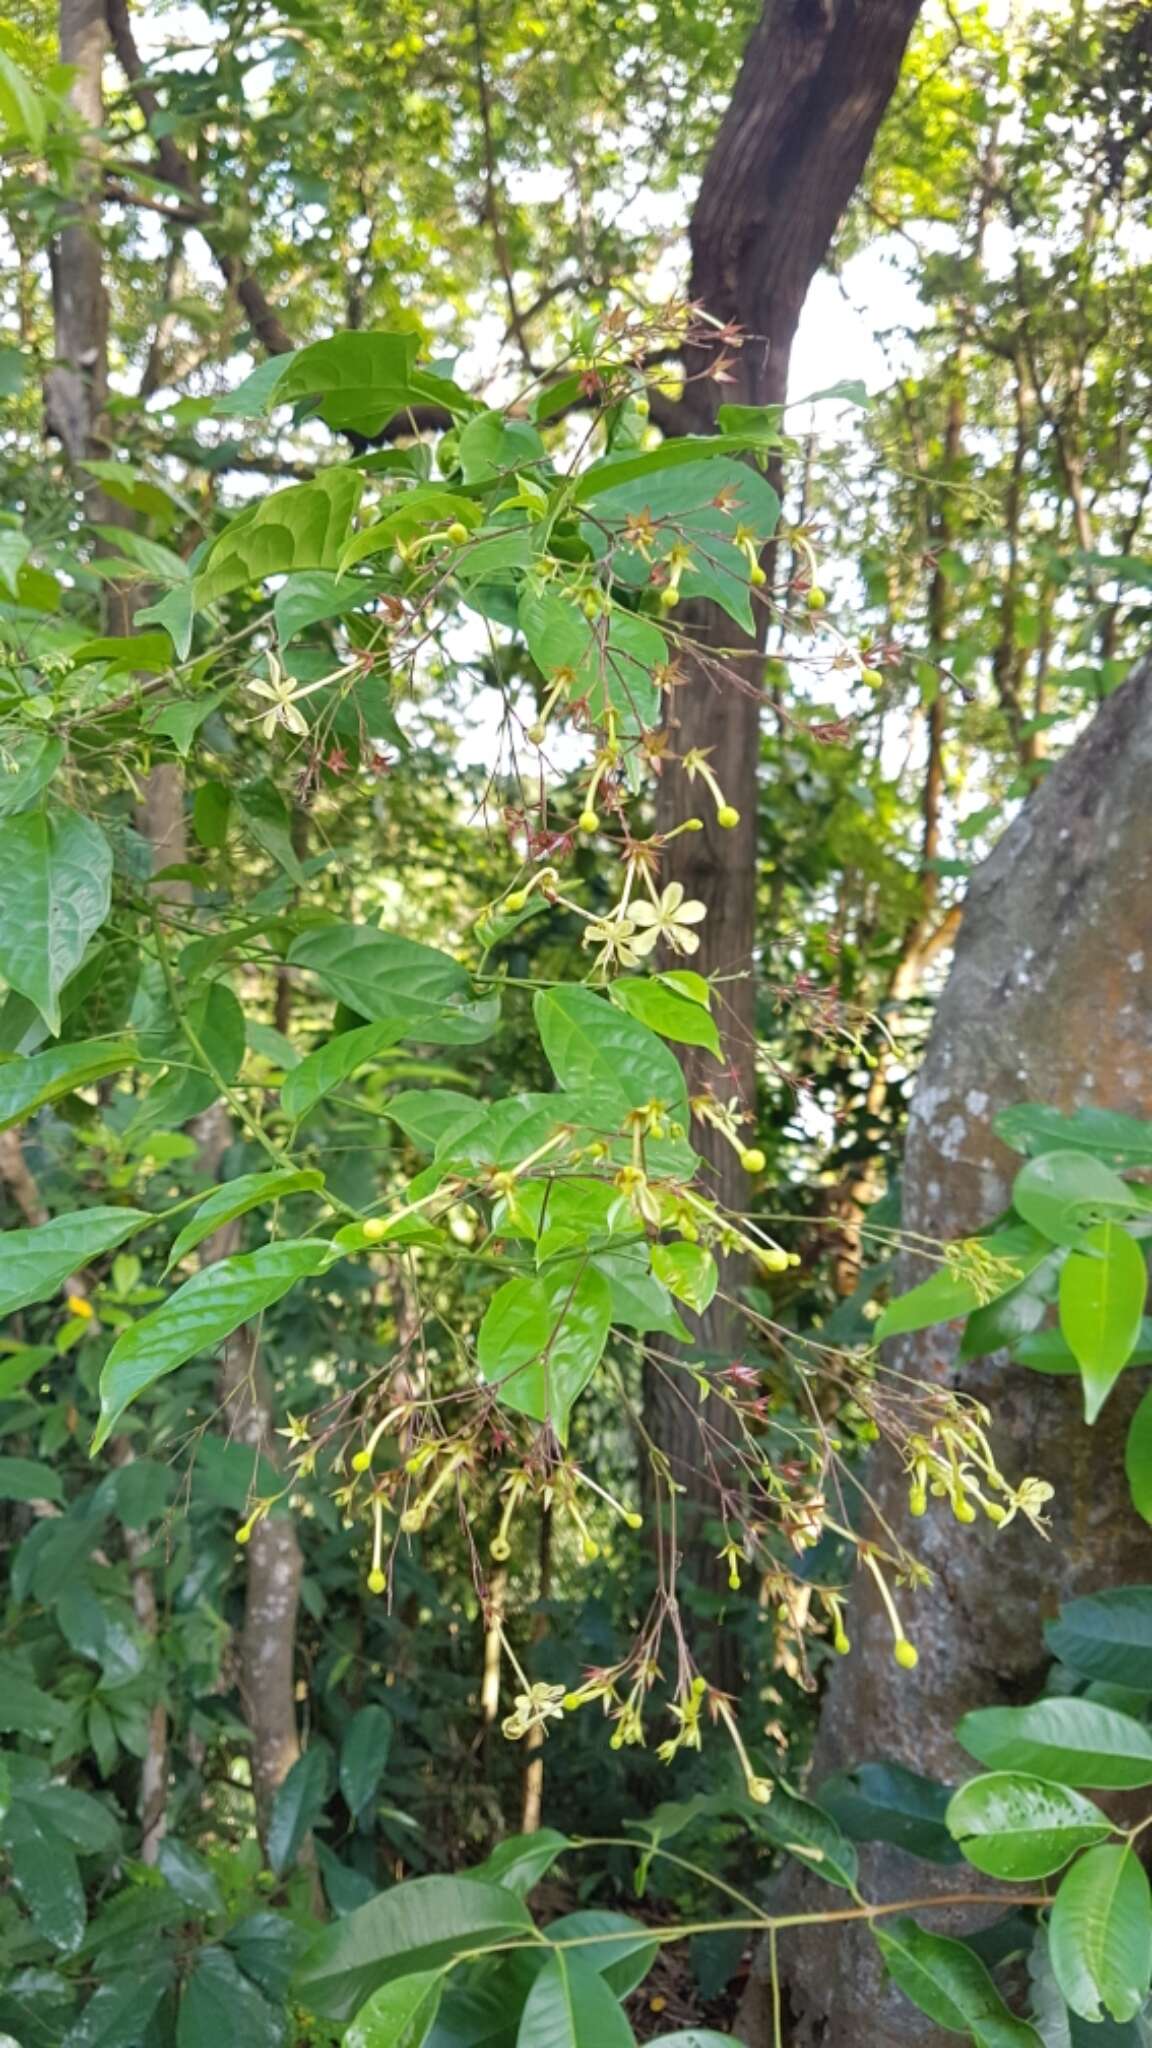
(280, 691)
(671, 919)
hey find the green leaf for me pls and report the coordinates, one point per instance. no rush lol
(208, 1307)
(802, 1829)
(639, 1300)
(1138, 1457)
(491, 445)
(267, 817)
(665, 1010)
(28, 761)
(45, 1873)
(688, 1272)
(1002, 1325)
(392, 980)
(541, 1340)
(695, 2037)
(1017, 1827)
(570, 2006)
(65, 867)
(954, 1291)
(418, 1926)
(363, 1755)
(325, 1069)
(1108, 1134)
(1075, 1741)
(221, 2004)
(945, 1980)
(884, 1802)
(22, 108)
(120, 2010)
(176, 612)
(399, 2015)
(298, 1804)
(620, 1949)
(34, 1263)
(362, 379)
(434, 1118)
(191, 1878)
(1103, 1289)
(84, 1822)
(1062, 1194)
(521, 1861)
(25, 1710)
(26, 1479)
(303, 527)
(236, 1197)
(591, 1045)
(1107, 1636)
(129, 653)
(611, 659)
(304, 601)
(695, 505)
(1100, 1936)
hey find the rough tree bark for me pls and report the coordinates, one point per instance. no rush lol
(815, 81)
(1050, 999)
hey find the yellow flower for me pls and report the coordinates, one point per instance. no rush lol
(77, 1306)
(670, 919)
(534, 1709)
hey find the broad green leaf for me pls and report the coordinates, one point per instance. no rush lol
(620, 1949)
(120, 2010)
(688, 1272)
(299, 1802)
(435, 1118)
(27, 1479)
(399, 2015)
(26, 1710)
(695, 2037)
(610, 660)
(46, 1876)
(1077, 1742)
(1107, 1636)
(492, 445)
(697, 505)
(362, 378)
(86, 1823)
(35, 1262)
(571, 2006)
(419, 510)
(946, 1981)
(955, 1290)
(1100, 1936)
(665, 1010)
(1013, 1826)
(321, 1071)
(418, 1926)
(262, 809)
(1103, 1289)
(639, 1300)
(235, 1198)
(805, 1831)
(303, 527)
(191, 1878)
(1002, 1325)
(1059, 2028)
(541, 1340)
(392, 980)
(318, 594)
(201, 1313)
(886, 1803)
(129, 653)
(221, 2004)
(176, 612)
(64, 863)
(1062, 1194)
(266, 1946)
(591, 1045)
(1035, 1127)
(1138, 1457)
(28, 761)
(363, 1755)
(521, 1861)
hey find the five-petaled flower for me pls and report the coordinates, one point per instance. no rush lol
(280, 691)
(670, 919)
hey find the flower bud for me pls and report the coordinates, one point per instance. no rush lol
(516, 900)
(669, 598)
(588, 821)
(840, 1643)
(500, 1549)
(457, 533)
(816, 599)
(375, 1229)
(412, 1520)
(753, 1160)
(760, 1789)
(757, 576)
(872, 677)
(361, 1461)
(905, 1653)
(537, 734)
(728, 817)
(377, 1581)
(634, 1521)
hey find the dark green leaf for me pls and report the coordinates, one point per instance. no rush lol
(26, 1479)
(522, 1860)
(391, 980)
(28, 761)
(200, 1314)
(34, 1263)
(27, 1084)
(220, 2004)
(363, 1755)
(330, 1064)
(591, 1046)
(399, 2015)
(946, 1981)
(46, 1876)
(886, 1803)
(1107, 1635)
(236, 1197)
(571, 2006)
(1035, 1127)
(297, 1806)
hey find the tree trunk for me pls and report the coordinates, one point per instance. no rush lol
(1050, 999)
(814, 84)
